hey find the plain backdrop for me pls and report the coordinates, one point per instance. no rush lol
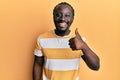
(21, 21)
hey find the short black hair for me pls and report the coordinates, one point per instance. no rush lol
(63, 3)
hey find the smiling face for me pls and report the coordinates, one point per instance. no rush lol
(63, 18)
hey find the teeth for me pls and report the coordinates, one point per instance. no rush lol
(62, 24)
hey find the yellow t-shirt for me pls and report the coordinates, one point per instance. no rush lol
(61, 62)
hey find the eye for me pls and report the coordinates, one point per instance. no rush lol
(67, 15)
(58, 15)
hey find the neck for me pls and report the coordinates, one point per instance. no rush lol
(62, 33)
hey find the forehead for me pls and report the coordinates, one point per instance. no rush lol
(64, 8)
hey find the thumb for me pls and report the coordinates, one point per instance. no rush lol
(76, 32)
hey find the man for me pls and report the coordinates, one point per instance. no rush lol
(58, 52)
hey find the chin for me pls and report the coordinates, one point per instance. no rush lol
(61, 31)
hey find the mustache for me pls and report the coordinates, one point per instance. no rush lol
(61, 21)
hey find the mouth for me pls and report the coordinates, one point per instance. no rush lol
(62, 25)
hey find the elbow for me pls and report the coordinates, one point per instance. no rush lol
(96, 68)
(96, 65)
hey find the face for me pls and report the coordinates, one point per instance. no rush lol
(63, 18)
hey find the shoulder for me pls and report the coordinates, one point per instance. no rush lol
(47, 34)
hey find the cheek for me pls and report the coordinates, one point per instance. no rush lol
(55, 19)
(70, 21)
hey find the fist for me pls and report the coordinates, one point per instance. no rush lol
(76, 43)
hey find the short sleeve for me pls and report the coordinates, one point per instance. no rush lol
(37, 50)
(84, 39)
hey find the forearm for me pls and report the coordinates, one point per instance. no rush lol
(91, 59)
(37, 72)
(37, 68)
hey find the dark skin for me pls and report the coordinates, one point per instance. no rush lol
(37, 68)
(63, 18)
(90, 58)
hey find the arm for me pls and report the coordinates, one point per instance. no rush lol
(90, 58)
(37, 68)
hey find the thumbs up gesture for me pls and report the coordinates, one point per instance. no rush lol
(76, 43)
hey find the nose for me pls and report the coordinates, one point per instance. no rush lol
(62, 18)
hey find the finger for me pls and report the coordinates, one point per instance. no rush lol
(78, 36)
(72, 45)
(76, 32)
(71, 41)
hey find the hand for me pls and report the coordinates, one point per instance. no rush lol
(76, 43)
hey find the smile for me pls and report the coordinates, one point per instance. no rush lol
(62, 25)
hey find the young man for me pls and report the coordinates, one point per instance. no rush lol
(58, 52)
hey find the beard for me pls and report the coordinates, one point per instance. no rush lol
(61, 31)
